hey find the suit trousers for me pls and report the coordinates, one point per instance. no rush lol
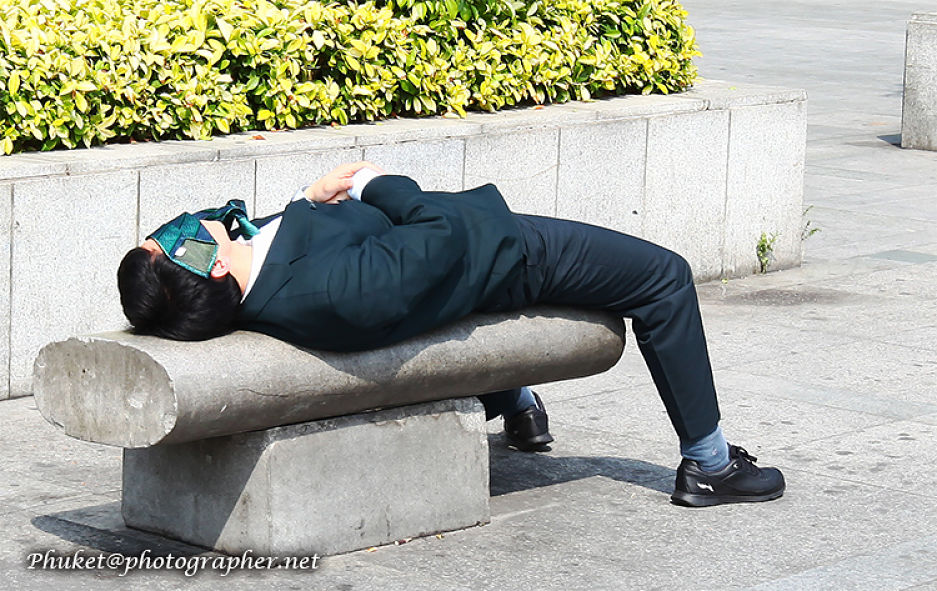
(576, 264)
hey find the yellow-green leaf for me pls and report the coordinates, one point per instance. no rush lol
(225, 28)
(318, 39)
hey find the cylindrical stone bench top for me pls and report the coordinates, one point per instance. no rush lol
(135, 391)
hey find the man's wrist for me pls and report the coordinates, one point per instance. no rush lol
(300, 193)
(360, 180)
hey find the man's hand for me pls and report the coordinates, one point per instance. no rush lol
(334, 186)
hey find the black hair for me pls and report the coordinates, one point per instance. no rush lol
(161, 298)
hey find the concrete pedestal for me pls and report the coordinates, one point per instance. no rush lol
(919, 113)
(325, 487)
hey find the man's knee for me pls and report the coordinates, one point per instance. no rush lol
(678, 269)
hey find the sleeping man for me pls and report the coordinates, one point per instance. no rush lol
(361, 259)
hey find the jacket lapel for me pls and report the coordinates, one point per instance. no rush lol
(288, 246)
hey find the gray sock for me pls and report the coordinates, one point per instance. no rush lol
(710, 452)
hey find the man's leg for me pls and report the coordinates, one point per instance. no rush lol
(526, 425)
(587, 266)
(580, 265)
(507, 402)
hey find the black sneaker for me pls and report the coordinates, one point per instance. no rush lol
(739, 482)
(529, 429)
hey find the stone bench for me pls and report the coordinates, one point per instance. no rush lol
(919, 110)
(248, 443)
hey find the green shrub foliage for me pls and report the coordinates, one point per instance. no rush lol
(80, 72)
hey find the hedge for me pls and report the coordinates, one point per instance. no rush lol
(81, 72)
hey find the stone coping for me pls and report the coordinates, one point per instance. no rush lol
(705, 95)
(924, 17)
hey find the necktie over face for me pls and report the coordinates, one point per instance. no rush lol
(187, 242)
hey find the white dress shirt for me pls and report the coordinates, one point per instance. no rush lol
(261, 242)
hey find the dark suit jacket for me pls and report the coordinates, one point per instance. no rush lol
(360, 275)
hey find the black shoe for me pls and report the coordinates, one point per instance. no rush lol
(739, 482)
(529, 430)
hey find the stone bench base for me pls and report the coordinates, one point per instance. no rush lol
(325, 487)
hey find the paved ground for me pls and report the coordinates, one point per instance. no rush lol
(829, 371)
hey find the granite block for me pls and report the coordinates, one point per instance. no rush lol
(685, 187)
(538, 117)
(67, 242)
(919, 111)
(921, 41)
(279, 177)
(6, 212)
(18, 166)
(126, 156)
(167, 191)
(252, 144)
(765, 186)
(409, 130)
(327, 487)
(436, 165)
(522, 164)
(636, 105)
(719, 94)
(601, 174)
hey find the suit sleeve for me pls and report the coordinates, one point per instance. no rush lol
(382, 280)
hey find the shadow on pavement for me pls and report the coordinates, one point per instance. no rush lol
(102, 528)
(513, 471)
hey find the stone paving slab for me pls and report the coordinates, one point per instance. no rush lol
(913, 240)
(891, 568)
(888, 455)
(613, 527)
(860, 158)
(895, 372)
(921, 337)
(904, 282)
(712, 295)
(829, 395)
(849, 230)
(748, 421)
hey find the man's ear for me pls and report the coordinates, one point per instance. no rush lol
(221, 268)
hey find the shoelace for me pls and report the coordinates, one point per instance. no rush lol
(743, 453)
(748, 463)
